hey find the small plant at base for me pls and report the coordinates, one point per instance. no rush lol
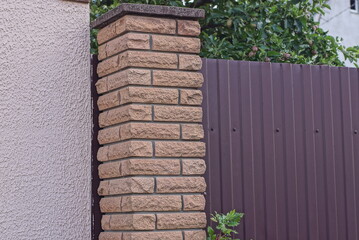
(225, 225)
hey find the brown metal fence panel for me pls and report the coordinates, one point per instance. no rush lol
(283, 147)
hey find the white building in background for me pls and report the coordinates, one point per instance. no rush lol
(343, 21)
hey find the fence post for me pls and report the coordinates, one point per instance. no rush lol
(150, 120)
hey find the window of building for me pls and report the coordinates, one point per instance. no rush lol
(354, 5)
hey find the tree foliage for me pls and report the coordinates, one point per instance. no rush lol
(225, 224)
(258, 30)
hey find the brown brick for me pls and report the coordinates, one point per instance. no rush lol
(151, 167)
(109, 135)
(124, 42)
(130, 76)
(195, 235)
(128, 222)
(190, 62)
(109, 170)
(110, 236)
(181, 220)
(177, 79)
(106, 33)
(138, 24)
(137, 59)
(149, 131)
(188, 28)
(139, 131)
(126, 186)
(191, 97)
(108, 100)
(181, 185)
(180, 149)
(177, 114)
(193, 166)
(167, 235)
(148, 95)
(101, 85)
(149, 203)
(129, 149)
(192, 131)
(176, 44)
(102, 154)
(125, 114)
(194, 202)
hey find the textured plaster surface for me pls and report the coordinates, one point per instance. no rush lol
(45, 120)
(341, 22)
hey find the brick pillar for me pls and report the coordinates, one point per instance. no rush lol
(151, 153)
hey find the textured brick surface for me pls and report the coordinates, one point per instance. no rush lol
(130, 76)
(194, 202)
(177, 114)
(193, 166)
(176, 44)
(148, 95)
(192, 131)
(124, 150)
(191, 97)
(181, 220)
(195, 235)
(188, 28)
(129, 222)
(168, 235)
(190, 62)
(126, 185)
(181, 185)
(125, 114)
(180, 149)
(177, 78)
(136, 24)
(125, 42)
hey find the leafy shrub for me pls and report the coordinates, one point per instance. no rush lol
(225, 225)
(257, 30)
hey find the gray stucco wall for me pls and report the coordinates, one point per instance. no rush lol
(45, 120)
(341, 22)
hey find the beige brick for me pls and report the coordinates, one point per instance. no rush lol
(150, 131)
(125, 114)
(149, 203)
(151, 167)
(180, 149)
(101, 85)
(130, 76)
(188, 28)
(124, 42)
(102, 154)
(110, 236)
(181, 185)
(152, 203)
(191, 97)
(177, 78)
(181, 220)
(192, 131)
(195, 235)
(108, 100)
(176, 44)
(168, 235)
(138, 24)
(129, 149)
(106, 33)
(148, 95)
(137, 59)
(109, 170)
(126, 186)
(177, 114)
(109, 135)
(128, 222)
(190, 62)
(194, 202)
(193, 166)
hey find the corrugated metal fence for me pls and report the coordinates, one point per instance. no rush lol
(283, 147)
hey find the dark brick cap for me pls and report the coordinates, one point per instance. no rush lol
(146, 10)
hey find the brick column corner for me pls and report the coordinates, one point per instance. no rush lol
(151, 124)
